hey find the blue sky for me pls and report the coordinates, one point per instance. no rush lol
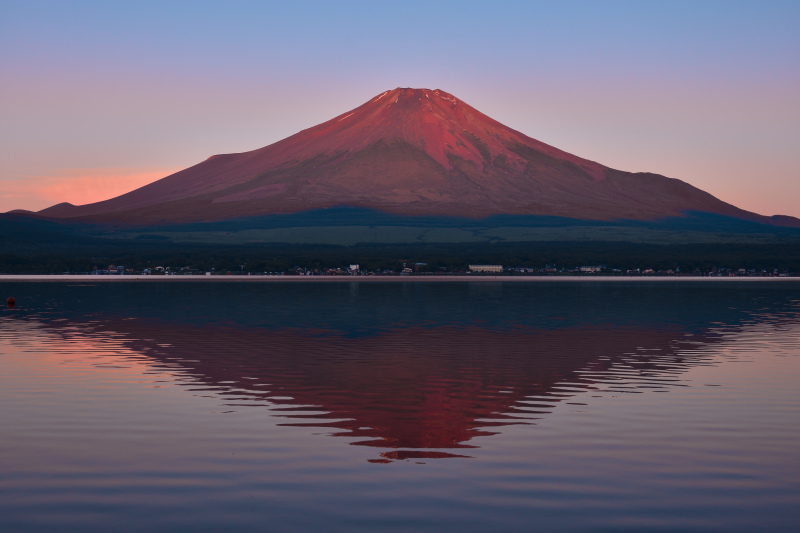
(99, 97)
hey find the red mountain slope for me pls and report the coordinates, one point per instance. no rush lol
(406, 151)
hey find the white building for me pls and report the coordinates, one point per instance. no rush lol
(486, 268)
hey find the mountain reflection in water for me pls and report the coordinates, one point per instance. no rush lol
(415, 371)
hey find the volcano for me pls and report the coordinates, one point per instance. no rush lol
(406, 152)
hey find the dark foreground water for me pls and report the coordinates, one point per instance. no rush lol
(572, 406)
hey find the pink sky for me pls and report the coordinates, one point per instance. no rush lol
(76, 186)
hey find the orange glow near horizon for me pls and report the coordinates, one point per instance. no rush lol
(77, 186)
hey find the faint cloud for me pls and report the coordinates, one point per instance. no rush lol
(76, 186)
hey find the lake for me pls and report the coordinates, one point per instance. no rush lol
(352, 406)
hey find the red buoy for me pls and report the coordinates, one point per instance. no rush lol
(11, 301)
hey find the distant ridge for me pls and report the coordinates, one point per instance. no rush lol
(406, 151)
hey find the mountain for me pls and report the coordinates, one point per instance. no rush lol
(408, 152)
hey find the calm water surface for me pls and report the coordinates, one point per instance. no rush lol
(401, 406)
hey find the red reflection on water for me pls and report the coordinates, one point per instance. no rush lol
(416, 391)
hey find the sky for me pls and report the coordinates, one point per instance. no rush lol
(99, 98)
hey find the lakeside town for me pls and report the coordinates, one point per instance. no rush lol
(412, 269)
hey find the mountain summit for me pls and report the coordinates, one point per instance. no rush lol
(410, 152)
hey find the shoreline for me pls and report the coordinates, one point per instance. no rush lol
(384, 279)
